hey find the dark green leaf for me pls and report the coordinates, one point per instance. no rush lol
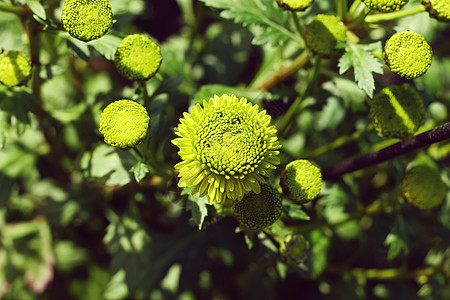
(294, 211)
(398, 238)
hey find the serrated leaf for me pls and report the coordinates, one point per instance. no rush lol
(398, 238)
(364, 63)
(140, 170)
(268, 23)
(198, 206)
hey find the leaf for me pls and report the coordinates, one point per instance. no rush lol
(198, 206)
(209, 90)
(106, 160)
(106, 45)
(295, 212)
(317, 259)
(268, 23)
(332, 114)
(348, 91)
(362, 60)
(398, 238)
(37, 9)
(140, 170)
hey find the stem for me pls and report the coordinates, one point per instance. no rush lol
(12, 9)
(383, 274)
(144, 93)
(341, 9)
(354, 8)
(150, 160)
(427, 138)
(378, 18)
(288, 117)
(343, 140)
(285, 72)
(298, 26)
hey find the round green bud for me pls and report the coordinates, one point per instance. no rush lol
(138, 57)
(324, 35)
(258, 211)
(301, 181)
(385, 5)
(294, 249)
(226, 147)
(295, 5)
(397, 111)
(124, 123)
(423, 187)
(438, 9)
(15, 68)
(407, 54)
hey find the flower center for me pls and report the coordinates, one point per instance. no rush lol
(230, 142)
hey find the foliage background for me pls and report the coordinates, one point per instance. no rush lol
(76, 224)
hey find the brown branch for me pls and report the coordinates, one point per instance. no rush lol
(427, 138)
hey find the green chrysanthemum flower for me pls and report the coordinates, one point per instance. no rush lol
(423, 187)
(407, 54)
(385, 5)
(294, 249)
(226, 147)
(295, 5)
(124, 123)
(301, 181)
(258, 211)
(138, 57)
(87, 20)
(397, 111)
(324, 34)
(438, 9)
(15, 68)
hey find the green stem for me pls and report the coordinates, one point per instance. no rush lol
(288, 117)
(341, 9)
(150, 160)
(341, 141)
(284, 73)
(378, 18)
(12, 9)
(298, 26)
(383, 274)
(354, 8)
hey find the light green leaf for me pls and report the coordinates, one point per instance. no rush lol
(107, 45)
(317, 259)
(348, 91)
(140, 170)
(268, 23)
(364, 63)
(37, 9)
(398, 238)
(332, 114)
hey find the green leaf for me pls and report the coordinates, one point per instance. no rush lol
(107, 45)
(317, 259)
(265, 19)
(198, 206)
(332, 114)
(295, 212)
(398, 238)
(209, 90)
(106, 160)
(364, 63)
(140, 170)
(348, 91)
(37, 9)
